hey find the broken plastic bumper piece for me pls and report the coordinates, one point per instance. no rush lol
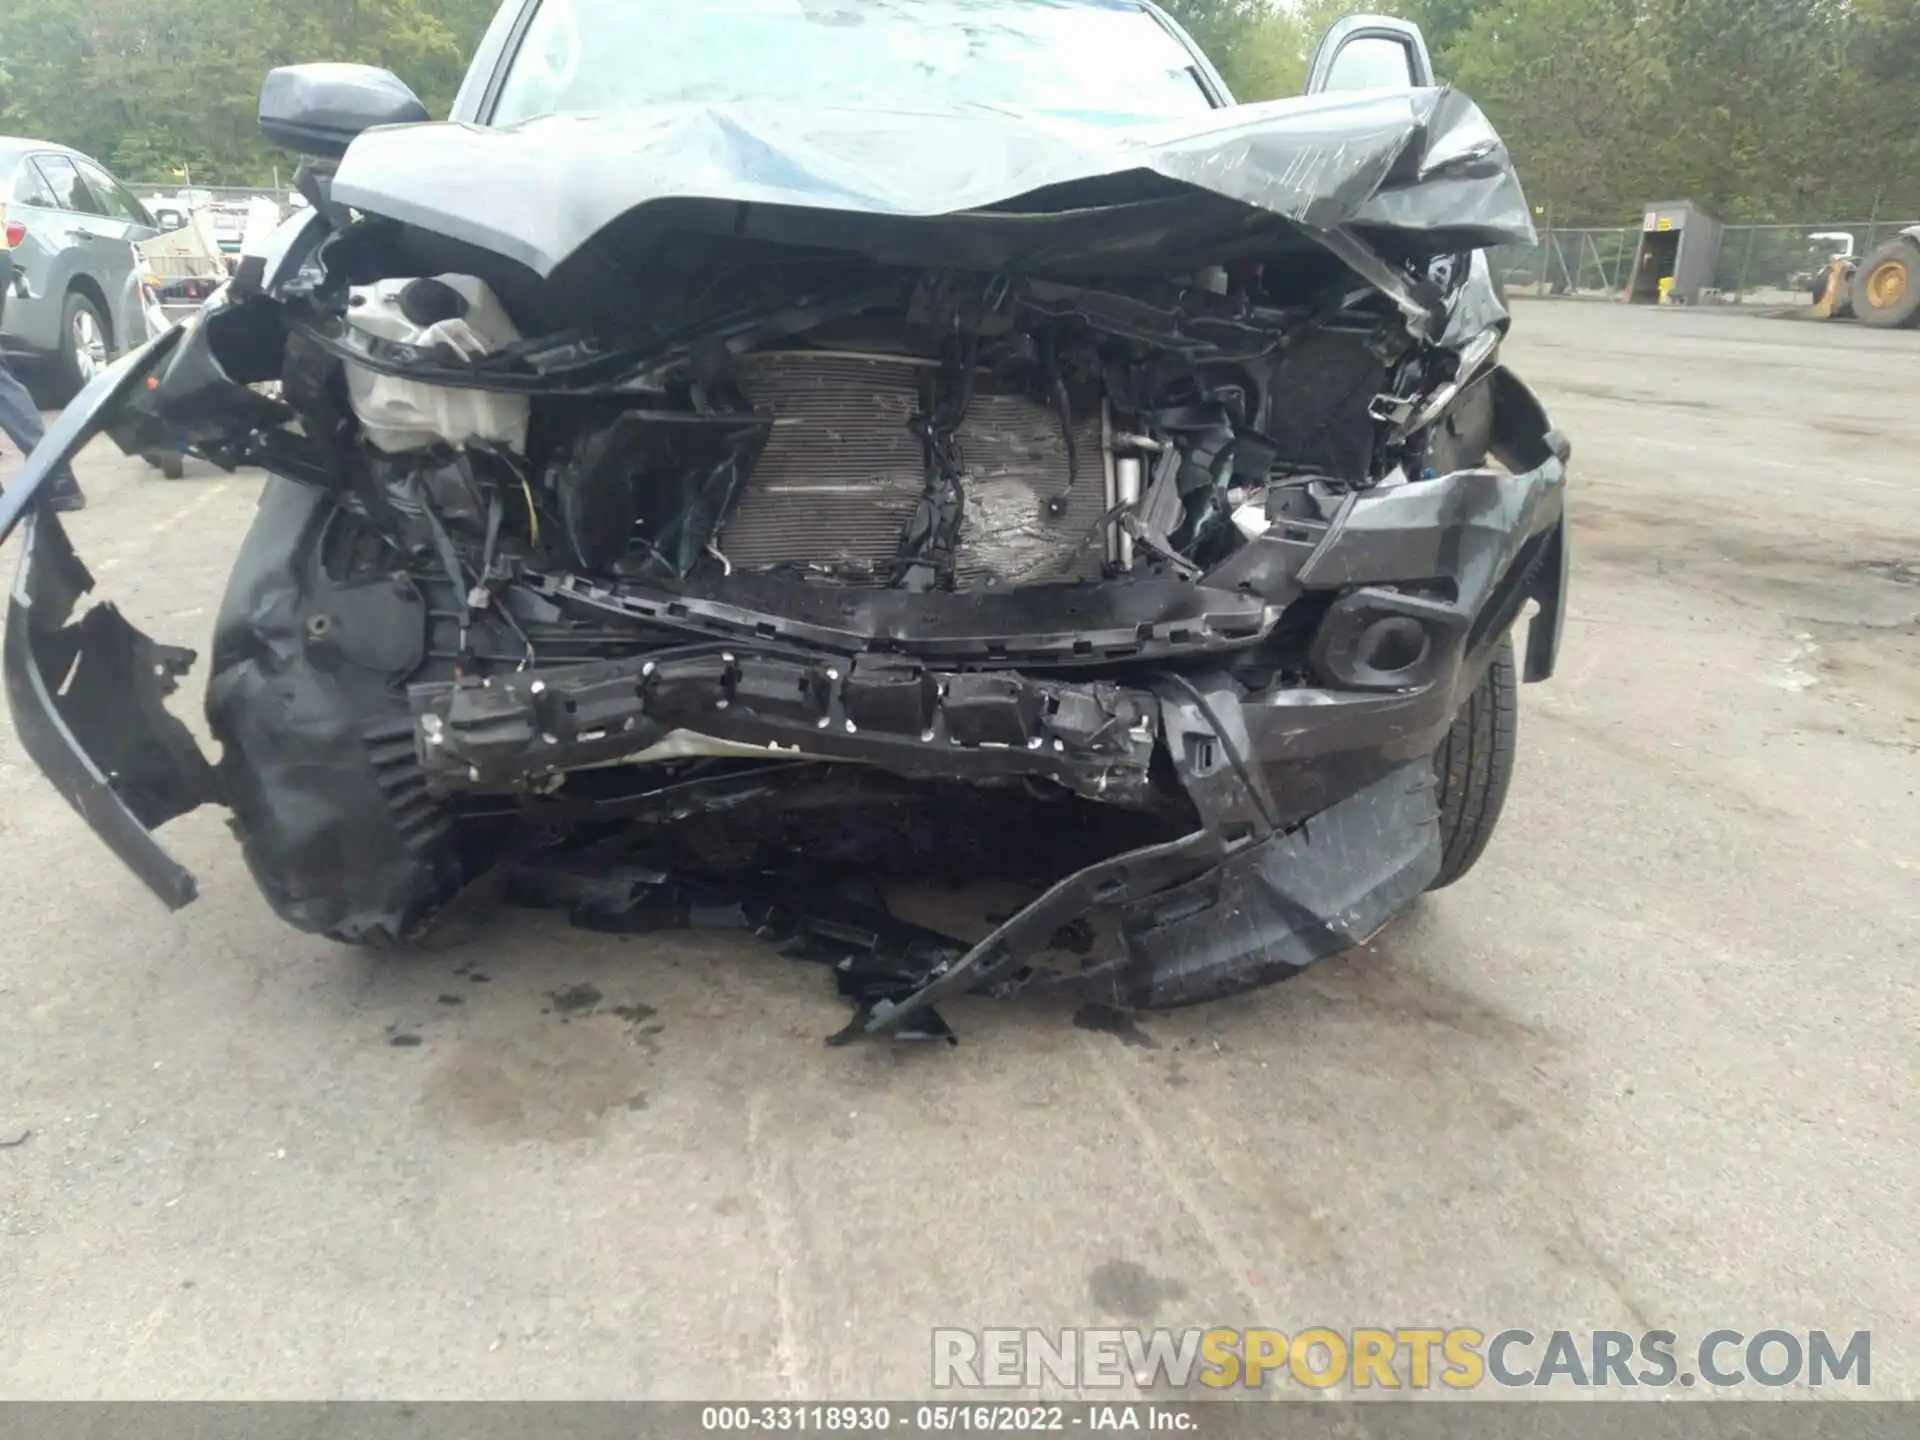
(88, 695)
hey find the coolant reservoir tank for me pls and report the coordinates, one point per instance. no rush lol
(456, 311)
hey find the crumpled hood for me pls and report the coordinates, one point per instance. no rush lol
(1423, 163)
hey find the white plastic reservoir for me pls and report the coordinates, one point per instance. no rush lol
(402, 414)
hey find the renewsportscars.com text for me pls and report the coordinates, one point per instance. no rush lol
(1400, 1358)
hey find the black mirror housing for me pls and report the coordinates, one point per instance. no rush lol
(317, 110)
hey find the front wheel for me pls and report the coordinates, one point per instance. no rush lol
(1886, 287)
(86, 343)
(1474, 765)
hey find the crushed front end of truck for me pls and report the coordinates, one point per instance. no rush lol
(698, 552)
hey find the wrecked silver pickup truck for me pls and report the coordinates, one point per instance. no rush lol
(938, 438)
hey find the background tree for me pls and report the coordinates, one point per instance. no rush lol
(1256, 44)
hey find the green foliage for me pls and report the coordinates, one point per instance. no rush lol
(155, 86)
(1758, 109)
(1761, 110)
(1256, 44)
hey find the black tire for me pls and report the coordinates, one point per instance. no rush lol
(173, 465)
(65, 371)
(1886, 286)
(1475, 767)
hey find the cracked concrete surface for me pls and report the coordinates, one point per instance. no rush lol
(1651, 1065)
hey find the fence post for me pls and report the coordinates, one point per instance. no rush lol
(1541, 286)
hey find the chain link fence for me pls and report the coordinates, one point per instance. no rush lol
(1592, 262)
(235, 196)
(1758, 259)
(1757, 264)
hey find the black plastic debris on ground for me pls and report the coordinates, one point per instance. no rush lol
(833, 920)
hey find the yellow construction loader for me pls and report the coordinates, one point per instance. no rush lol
(1883, 290)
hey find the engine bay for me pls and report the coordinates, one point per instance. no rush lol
(926, 431)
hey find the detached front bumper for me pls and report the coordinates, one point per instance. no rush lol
(88, 696)
(1315, 804)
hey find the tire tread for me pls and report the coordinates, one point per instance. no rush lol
(1474, 766)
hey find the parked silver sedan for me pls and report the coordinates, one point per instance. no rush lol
(73, 299)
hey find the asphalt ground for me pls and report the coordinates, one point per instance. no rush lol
(1650, 1067)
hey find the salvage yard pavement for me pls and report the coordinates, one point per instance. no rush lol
(1650, 1066)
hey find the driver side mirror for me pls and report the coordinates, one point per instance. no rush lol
(1371, 52)
(317, 110)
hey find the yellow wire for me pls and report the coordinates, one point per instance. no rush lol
(533, 515)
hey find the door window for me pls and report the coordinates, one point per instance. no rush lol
(113, 196)
(69, 190)
(1371, 62)
(29, 188)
